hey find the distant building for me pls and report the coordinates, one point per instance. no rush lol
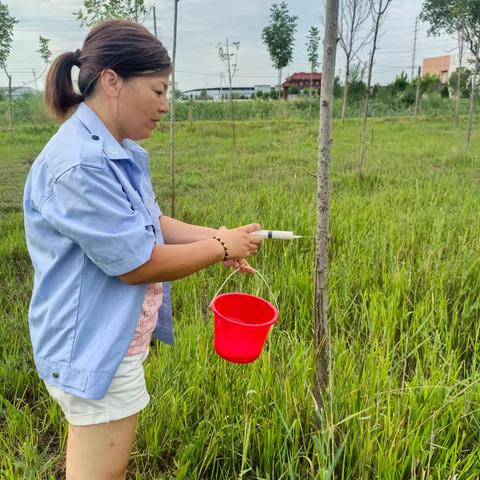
(224, 92)
(302, 80)
(442, 66)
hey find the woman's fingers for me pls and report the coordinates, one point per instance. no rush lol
(251, 227)
(245, 267)
(255, 239)
(241, 264)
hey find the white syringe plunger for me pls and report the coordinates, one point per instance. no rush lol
(276, 234)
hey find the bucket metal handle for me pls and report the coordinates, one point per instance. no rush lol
(256, 271)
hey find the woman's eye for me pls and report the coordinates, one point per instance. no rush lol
(158, 93)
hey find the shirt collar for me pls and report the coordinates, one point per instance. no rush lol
(94, 124)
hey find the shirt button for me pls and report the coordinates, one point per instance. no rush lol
(55, 374)
(95, 137)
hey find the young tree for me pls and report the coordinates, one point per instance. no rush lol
(417, 93)
(313, 41)
(45, 54)
(226, 57)
(44, 49)
(353, 15)
(278, 36)
(461, 46)
(7, 23)
(322, 335)
(97, 11)
(172, 107)
(379, 9)
(203, 95)
(457, 17)
(458, 81)
(472, 96)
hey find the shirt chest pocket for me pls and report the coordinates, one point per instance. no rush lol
(139, 207)
(149, 211)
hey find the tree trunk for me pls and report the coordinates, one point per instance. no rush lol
(322, 335)
(172, 109)
(417, 94)
(345, 88)
(459, 72)
(280, 92)
(231, 95)
(363, 145)
(10, 105)
(472, 97)
(310, 94)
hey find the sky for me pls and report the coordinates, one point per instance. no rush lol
(203, 24)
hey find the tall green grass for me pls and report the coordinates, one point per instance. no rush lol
(403, 298)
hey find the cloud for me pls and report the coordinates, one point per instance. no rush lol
(202, 25)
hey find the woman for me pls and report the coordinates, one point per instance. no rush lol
(101, 249)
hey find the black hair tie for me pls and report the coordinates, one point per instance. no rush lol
(76, 57)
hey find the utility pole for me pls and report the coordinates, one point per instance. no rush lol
(414, 49)
(172, 106)
(155, 22)
(35, 78)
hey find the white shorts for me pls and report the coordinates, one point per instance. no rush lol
(126, 396)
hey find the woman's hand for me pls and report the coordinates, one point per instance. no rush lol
(239, 264)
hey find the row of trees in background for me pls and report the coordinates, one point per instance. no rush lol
(461, 18)
(7, 24)
(400, 90)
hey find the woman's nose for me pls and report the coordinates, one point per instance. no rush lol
(164, 106)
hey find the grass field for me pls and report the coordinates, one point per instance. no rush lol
(403, 297)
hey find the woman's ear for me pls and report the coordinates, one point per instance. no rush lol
(111, 82)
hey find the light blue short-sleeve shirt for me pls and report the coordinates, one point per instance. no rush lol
(90, 216)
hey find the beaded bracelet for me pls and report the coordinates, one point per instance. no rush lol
(224, 247)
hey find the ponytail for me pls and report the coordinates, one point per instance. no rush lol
(60, 97)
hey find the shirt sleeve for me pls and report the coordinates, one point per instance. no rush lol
(89, 206)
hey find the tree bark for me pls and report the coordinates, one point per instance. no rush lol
(417, 94)
(172, 109)
(459, 72)
(280, 92)
(310, 94)
(472, 97)
(345, 88)
(322, 335)
(10, 105)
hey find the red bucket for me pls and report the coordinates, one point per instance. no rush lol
(242, 323)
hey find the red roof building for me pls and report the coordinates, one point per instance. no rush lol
(302, 80)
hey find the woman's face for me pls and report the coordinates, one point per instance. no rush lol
(141, 102)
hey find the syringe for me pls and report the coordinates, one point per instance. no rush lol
(276, 234)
